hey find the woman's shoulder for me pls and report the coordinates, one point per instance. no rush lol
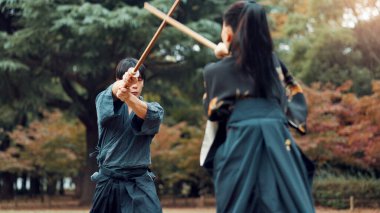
(221, 66)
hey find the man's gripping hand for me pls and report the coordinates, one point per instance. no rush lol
(130, 78)
(221, 51)
(123, 94)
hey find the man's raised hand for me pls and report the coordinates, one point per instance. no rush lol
(130, 78)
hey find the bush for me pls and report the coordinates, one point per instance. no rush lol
(335, 191)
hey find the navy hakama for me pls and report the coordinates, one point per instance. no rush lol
(259, 168)
(128, 191)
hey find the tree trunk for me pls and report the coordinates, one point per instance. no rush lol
(51, 185)
(61, 187)
(78, 183)
(89, 118)
(24, 178)
(6, 178)
(6, 189)
(35, 186)
(88, 187)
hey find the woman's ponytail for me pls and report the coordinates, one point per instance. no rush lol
(252, 47)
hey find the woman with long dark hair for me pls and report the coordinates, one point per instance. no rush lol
(257, 167)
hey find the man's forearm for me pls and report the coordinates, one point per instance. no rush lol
(115, 88)
(138, 106)
(133, 102)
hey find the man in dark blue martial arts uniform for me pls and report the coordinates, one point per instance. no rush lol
(126, 125)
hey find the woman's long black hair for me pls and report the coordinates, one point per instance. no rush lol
(253, 48)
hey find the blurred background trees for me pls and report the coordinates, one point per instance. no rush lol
(56, 56)
(61, 54)
(333, 41)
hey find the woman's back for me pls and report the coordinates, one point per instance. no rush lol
(256, 164)
(225, 83)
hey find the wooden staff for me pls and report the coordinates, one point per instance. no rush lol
(180, 26)
(186, 29)
(153, 40)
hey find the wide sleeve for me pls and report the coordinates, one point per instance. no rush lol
(288, 78)
(151, 124)
(106, 106)
(218, 98)
(296, 111)
(290, 83)
(207, 93)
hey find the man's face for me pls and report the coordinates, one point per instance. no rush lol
(136, 88)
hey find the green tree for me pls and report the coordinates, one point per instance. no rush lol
(63, 53)
(320, 48)
(368, 43)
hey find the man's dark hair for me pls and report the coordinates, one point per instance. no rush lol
(127, 63)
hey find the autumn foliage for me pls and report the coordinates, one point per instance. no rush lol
(175, 157)
(343, 133)
(48, 146)
(344, 130)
